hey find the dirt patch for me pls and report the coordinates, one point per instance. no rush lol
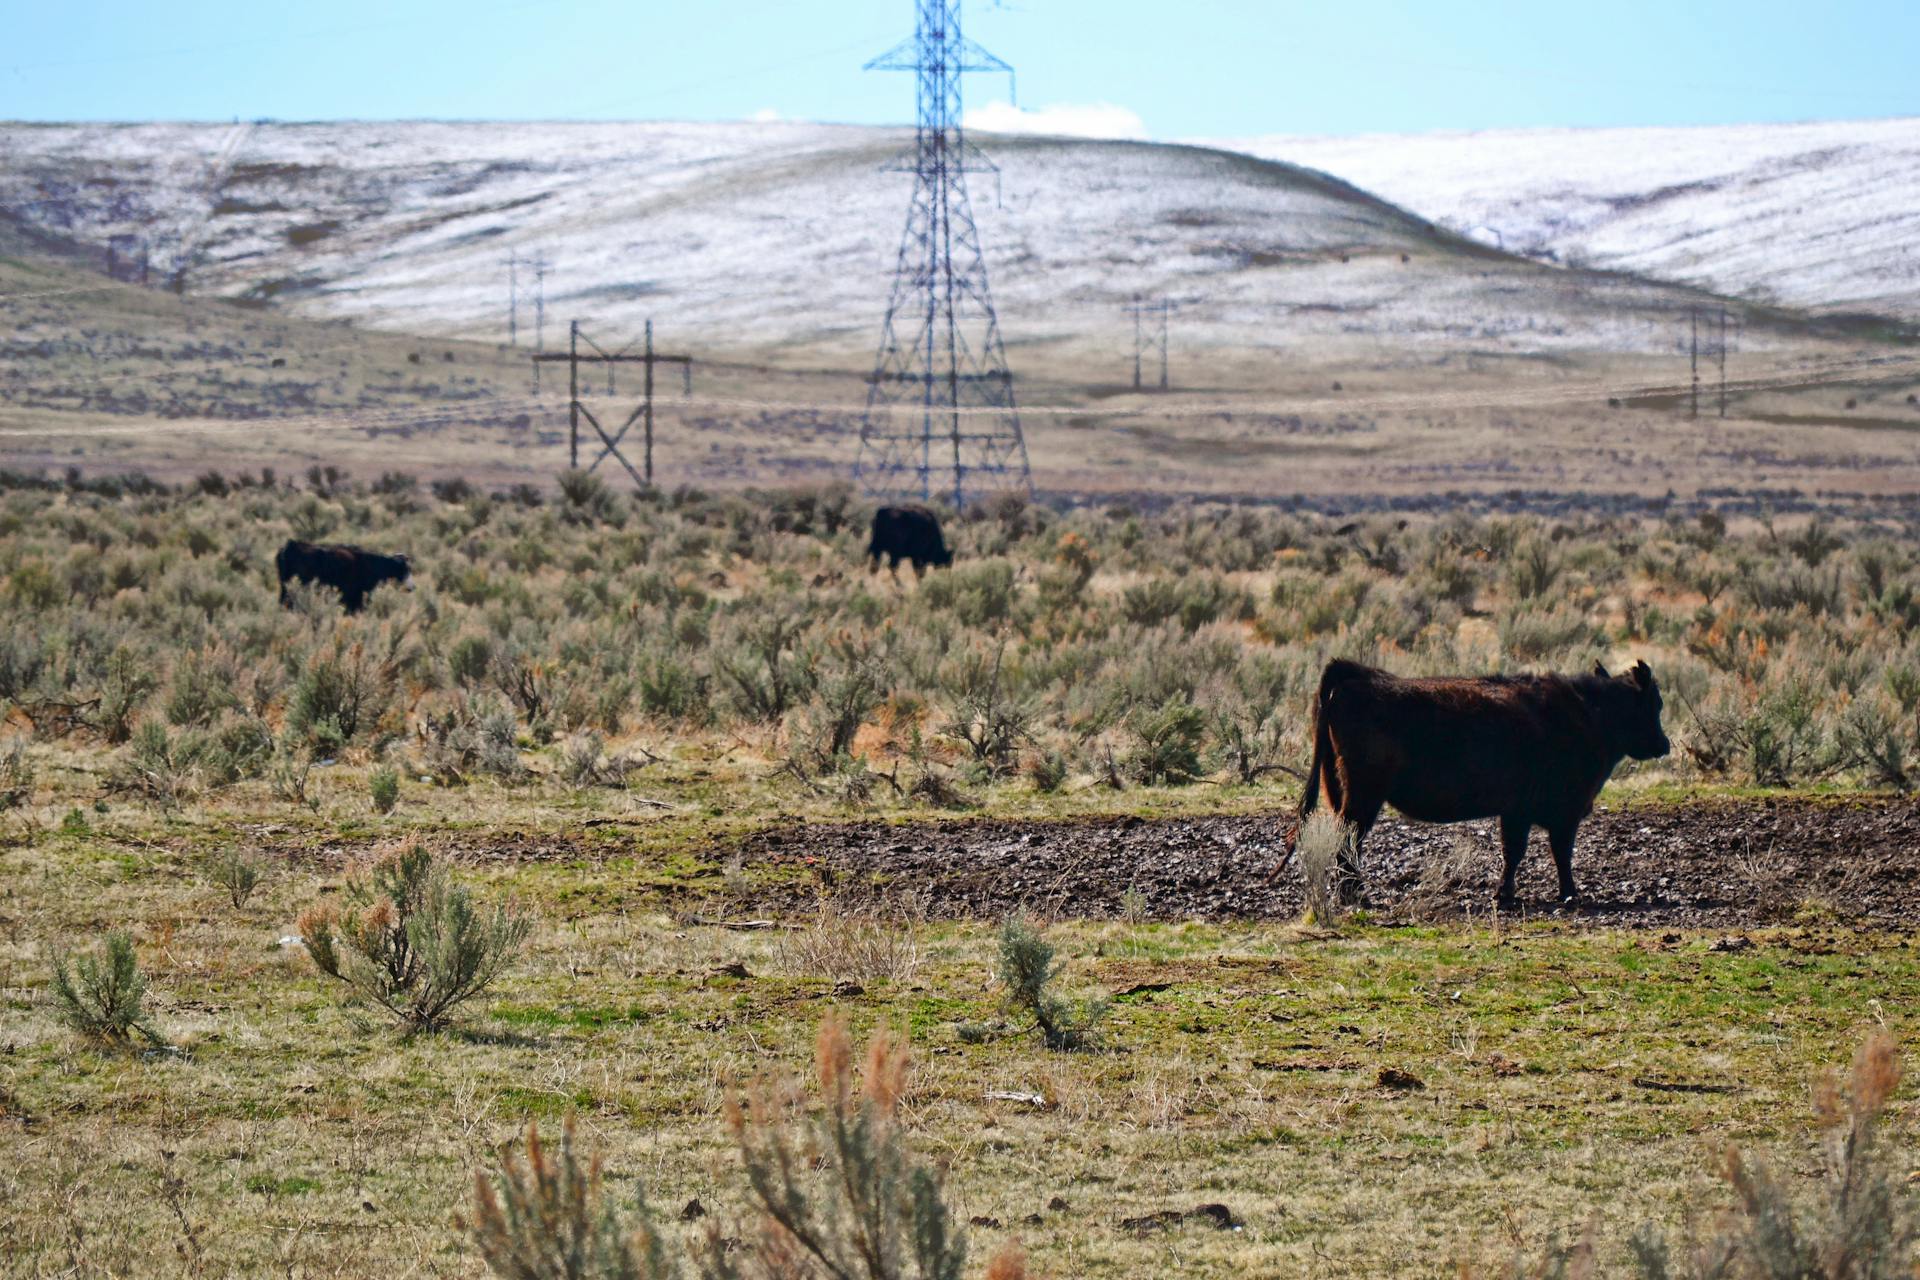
(1707, 865)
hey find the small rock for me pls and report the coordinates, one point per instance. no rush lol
(848, 988)
(734, 970)
(1732, 943)
(1058, 1204)
(693, 1211)
(1394, 1078)
(982, 1220)
(1033, 1220)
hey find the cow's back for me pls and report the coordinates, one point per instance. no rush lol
(1447, 750)
(909, 533)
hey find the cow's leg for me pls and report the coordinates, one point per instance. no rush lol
(893, 566)
(1513, 844)
(1362, 811)
(1560, 838)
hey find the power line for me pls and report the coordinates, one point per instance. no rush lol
(1144, 339)
(642, 413)
(941, 359)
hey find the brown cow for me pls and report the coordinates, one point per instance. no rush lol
(1529, 750)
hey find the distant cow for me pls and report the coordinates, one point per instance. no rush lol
(907, 533)
(352, 571)
(1529, 750)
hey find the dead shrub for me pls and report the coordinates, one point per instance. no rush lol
(1322, 846)
(849, 941)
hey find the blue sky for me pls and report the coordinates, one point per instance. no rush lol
(1195, 67)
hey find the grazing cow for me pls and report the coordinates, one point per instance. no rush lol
(907, 533)
(352, 571)
(1529, 750)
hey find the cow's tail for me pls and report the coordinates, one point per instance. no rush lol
(1322, 770)
(280, 566)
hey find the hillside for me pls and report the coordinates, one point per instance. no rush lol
(1819, 216)
(345, 304)
(783, 236)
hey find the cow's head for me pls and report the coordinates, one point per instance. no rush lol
(943, 557)
(404, 580)
(1630, 711)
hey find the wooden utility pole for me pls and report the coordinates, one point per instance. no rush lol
(513, 299)
(540, 269)
(642, 412)
(1693, 317)
(1723, 362)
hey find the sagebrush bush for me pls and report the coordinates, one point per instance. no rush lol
(99, 994)
(1856, 1224)
(1028, 971)
(409, 939)
(341, 693)
(833, 1192)
(548, 1220)
(233, 872)
(383, 789)
(1167, 742)
(702, 613)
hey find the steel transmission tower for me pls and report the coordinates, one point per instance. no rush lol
(940, 408)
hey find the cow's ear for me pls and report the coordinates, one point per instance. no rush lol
(1600, 669)
(1641, 675)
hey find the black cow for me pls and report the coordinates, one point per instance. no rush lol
(352, 571)
(907, 533)
(1529, 750)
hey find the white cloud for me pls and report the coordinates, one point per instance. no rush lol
(1074, 119)
(766, 115)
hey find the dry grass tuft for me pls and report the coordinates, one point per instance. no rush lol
(849, 941)
(1323, 843)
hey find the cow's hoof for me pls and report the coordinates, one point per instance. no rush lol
(1504, 900)
(1573, 901)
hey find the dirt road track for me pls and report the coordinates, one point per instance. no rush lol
(1703, 865)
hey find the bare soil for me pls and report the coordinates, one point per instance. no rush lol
(1715, 864)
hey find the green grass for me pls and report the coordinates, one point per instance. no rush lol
(1566, 1074)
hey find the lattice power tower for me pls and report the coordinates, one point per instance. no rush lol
(940, 414)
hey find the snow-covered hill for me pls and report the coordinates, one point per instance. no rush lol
(784, 236)
(1823, 216)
